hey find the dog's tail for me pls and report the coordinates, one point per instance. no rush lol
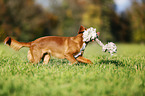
(15, 44)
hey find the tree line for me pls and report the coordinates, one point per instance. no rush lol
(25, 20)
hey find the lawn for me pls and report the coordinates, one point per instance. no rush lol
(120, 75)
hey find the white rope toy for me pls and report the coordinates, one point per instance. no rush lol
(110, 47)
(89, 34)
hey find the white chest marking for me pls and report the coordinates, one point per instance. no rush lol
(82, 49)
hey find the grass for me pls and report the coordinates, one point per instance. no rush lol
(120, 75)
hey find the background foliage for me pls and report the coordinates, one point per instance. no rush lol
(25, 20)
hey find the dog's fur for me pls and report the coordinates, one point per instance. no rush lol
(60, 47)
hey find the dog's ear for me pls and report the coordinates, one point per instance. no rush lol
(82, 29)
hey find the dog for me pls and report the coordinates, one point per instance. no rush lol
(70, 48)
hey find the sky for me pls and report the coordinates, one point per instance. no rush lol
(44, 3)
(122, 5)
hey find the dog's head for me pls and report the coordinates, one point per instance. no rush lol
(82, 29)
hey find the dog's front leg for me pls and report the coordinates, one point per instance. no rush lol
(71, 58)
(84, 60)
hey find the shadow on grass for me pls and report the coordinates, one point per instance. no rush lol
(115, 62)
(65, 62)
(82, 64)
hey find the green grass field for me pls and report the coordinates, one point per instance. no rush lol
(120, 75)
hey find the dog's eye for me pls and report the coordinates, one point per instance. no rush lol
(97, 35)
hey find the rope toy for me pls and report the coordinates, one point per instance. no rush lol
(90, 34)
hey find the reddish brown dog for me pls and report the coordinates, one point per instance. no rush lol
(60, 47)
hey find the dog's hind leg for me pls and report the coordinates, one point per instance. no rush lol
(46, 58)
(84, 60)
(36, 55)
(29, 56)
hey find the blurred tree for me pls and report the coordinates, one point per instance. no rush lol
(92, 16)
(137, 20)
(97, 15)
(69, 13)
(107, 9)
(120, 27)
(24, 20)
(90, 13)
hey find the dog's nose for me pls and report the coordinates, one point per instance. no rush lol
(98, 33)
